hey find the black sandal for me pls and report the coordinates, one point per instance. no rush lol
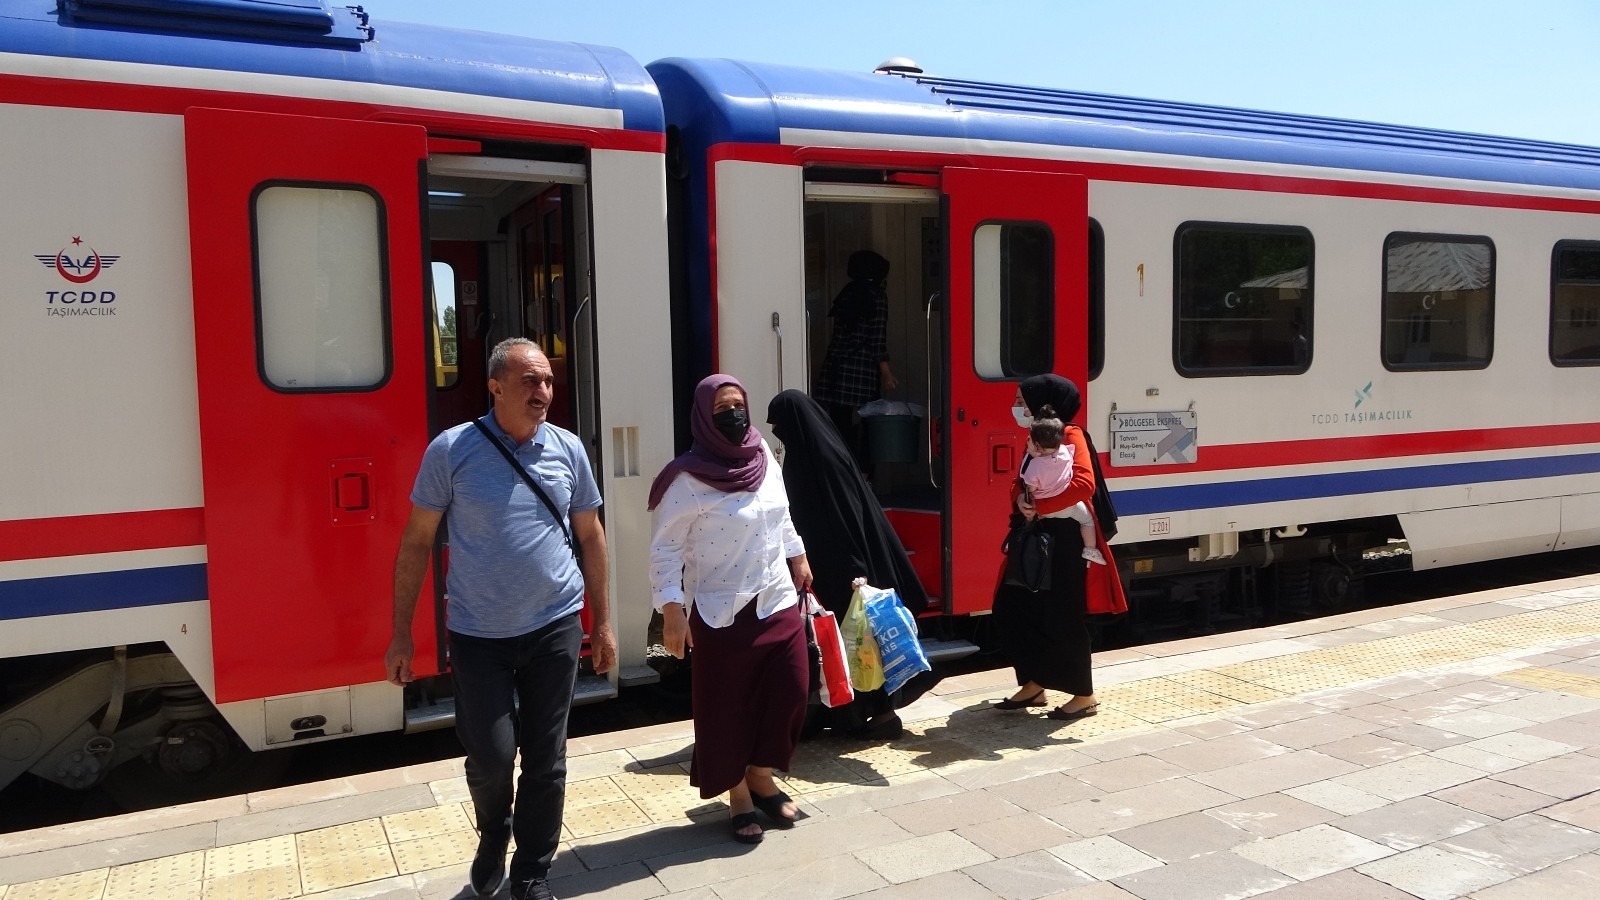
(744, 820)
(1060, 713)
(772, 805)
(1035, 700)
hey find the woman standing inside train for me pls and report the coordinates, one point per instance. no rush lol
(726, 571)
(1045, 634)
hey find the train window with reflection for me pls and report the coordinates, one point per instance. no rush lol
(1438, 301)
(1097, 299)
(320, 287)
(1013, 291)
(446, 344)
(1575, 304)
(1243, 299)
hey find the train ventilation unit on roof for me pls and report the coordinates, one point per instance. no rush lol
(284, 21)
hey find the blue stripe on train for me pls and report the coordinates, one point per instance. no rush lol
(62, 594)
(1338, 484)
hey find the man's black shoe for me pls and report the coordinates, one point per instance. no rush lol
(532, 889)
(489, 865)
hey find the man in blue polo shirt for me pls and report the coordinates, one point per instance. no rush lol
(515, 588)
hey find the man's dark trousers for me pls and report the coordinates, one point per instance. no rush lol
(537, 669)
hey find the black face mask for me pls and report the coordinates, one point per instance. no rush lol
(733, 423)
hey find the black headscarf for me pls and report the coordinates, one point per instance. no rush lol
(1061, 393)
(856, 302)
(844, 529)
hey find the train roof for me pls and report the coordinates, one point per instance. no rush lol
(318, 39)
(733, 101)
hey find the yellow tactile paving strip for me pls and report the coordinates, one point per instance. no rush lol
(655, 790)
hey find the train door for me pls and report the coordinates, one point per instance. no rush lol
(308, 300)
(1016, 305)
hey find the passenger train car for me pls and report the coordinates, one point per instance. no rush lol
(256, 254)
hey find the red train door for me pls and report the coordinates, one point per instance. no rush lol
(306, 242)
(1017, 245)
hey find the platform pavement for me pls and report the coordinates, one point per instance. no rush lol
(1437, 749)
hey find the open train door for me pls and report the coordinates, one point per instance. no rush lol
(306, 245)
(1017, 289)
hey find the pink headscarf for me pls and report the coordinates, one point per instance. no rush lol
(712, 458)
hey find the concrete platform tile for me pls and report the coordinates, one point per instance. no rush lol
(1208, 728)
(1218, 876)
(1045, 791)
(1314, 851)
(837, 876)
(311, 816)
(880, 794)
(434, 852)
(421, 823)
(603, 817)
(1407, 778)
(1314, 730)
(263, 854)
(1015, 835)
(152, 878)
(1572, 730)
(1583, 812)
(350, 836)
(597, 765)
(1136, 806)
(1414, 823)
(144, 845)
(1270, 815)
(77, 834)
(1345, 884)
(1577, 877)
(650, 756)
(950, 812)
(628, 882)
(945, 884)
(1276, 712)
(1563, 777)
(1423, 736)
(1368, 750)
(919, 857)
(1134, 744)
(1131, 772)
(274, 883)
(88, 885)
(644, 842)
(1382, 714)
(1545, 706)
(1026, 877)
(1276, 773)
(1433, 874)
(1184, 837)
(1220, 753)
(591, 791)
(1019, 765)
(1339, 798)
(879, 761)
(1102, 890)
(1524, 844)
(1103, 857)
(450, 790)
(347, 867)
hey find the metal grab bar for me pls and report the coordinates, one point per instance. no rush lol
(777, 329)
(927, 331)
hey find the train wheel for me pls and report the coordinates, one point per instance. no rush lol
(197, 760)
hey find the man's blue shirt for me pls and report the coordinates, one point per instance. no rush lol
(511, 570)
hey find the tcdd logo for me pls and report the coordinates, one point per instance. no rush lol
(81, 270)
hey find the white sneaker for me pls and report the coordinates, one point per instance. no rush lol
(1094, 556)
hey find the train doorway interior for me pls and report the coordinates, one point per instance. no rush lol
(987, 284)
(510, 257)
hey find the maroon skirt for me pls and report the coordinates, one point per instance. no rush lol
(749, 689)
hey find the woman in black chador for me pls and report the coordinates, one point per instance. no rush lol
(847, 536)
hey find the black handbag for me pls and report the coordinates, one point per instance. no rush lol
(1028, 547)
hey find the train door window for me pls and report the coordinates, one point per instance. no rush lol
(446, 343)
(321, 287)
(1438, 302)
(1013, 296)
(1575, 304)
(1097, 299)
(1243, 300)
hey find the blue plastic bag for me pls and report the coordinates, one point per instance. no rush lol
(896, 633)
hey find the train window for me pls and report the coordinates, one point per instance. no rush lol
(320, 287)
(1243, 299)
(1438, 301)
(1013, 290)
(1097, 299)
(445, 342)
(1575, 304)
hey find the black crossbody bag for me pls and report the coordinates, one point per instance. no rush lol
(534, 486)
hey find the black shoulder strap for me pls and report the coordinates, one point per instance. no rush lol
(528, 480)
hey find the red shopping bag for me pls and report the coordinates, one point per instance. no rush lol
(835, 687)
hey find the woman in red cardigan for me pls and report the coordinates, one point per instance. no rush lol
(1045, 633)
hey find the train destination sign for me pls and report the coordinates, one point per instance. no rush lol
(1153, 438)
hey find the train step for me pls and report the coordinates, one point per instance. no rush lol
(442, 714)
(947, 651)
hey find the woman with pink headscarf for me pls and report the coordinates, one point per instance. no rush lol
(726, 572)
